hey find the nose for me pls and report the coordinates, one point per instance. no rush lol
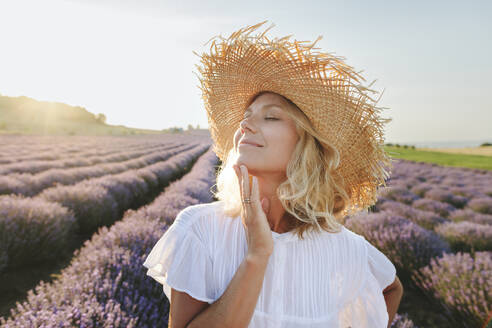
(244, 124)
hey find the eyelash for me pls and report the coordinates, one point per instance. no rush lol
(266, 118)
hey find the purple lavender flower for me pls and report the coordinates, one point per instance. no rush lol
(402, 321)
(33, 230)
(106, 282)
(461, 284)
(446, 196)
(406, 244)
(481, 205)
(466, 236)
(470, 215)
(443, 209)
(398, 194)
(425, 219)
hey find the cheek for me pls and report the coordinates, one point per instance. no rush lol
(283, 144)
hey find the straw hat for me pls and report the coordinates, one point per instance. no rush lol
(325, 88)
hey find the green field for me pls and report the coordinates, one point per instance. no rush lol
(440, 158)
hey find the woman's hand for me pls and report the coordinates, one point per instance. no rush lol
(253, 215)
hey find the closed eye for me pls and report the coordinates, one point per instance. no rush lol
(271, 118)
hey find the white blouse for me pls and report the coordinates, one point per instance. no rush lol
(326, 280)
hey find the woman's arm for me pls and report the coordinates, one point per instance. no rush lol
(392, 295)
(236, 306)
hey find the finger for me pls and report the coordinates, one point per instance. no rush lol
(238, 175)
(238, 171)
(255, 198)
(246, 192)
(245, 180)
(250, 180)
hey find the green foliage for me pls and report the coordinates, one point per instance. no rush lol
(440, 158)
(24, 115)
(174, 129)
(26, 109)
(101, 118)
(398, 146)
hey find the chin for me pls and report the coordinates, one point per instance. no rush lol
(247, 161)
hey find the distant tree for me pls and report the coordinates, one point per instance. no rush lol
(101, 118)
(175, 129)
(190, 127)
(198, 126)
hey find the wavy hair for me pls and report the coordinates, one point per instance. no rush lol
(313, 193)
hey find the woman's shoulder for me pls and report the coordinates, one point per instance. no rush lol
(352, 234)
(200, 208)
(348, 242)
(205, 221)
(199, 219)
(344, 235)
(196, 214)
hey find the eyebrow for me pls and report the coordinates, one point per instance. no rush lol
(264, 107)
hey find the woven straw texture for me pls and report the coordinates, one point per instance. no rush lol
(326, 89)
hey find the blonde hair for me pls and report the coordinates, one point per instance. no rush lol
(314, 193)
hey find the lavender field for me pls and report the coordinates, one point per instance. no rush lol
(117, 195)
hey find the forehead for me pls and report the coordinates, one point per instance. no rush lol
(264, 107)
(266, 101)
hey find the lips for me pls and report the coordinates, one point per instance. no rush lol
(245, 142)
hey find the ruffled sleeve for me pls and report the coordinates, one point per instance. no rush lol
(368, 308)
(381, 267)
(181, 261)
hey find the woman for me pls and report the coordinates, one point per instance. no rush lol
(298, 140)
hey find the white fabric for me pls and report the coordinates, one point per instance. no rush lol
(326, 280)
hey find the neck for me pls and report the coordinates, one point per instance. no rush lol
(278, 217)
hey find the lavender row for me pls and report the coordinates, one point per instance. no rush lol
(36, 230)
(31, 185)
(66, 149)
(417, 253)
(464, 230)
(106, 283)
(33, 229)
(408, 245)
(427, 213)
(462, 283)
(455, 203)
(26, 148)
(37, 166)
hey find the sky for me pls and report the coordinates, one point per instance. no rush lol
(132, 60)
